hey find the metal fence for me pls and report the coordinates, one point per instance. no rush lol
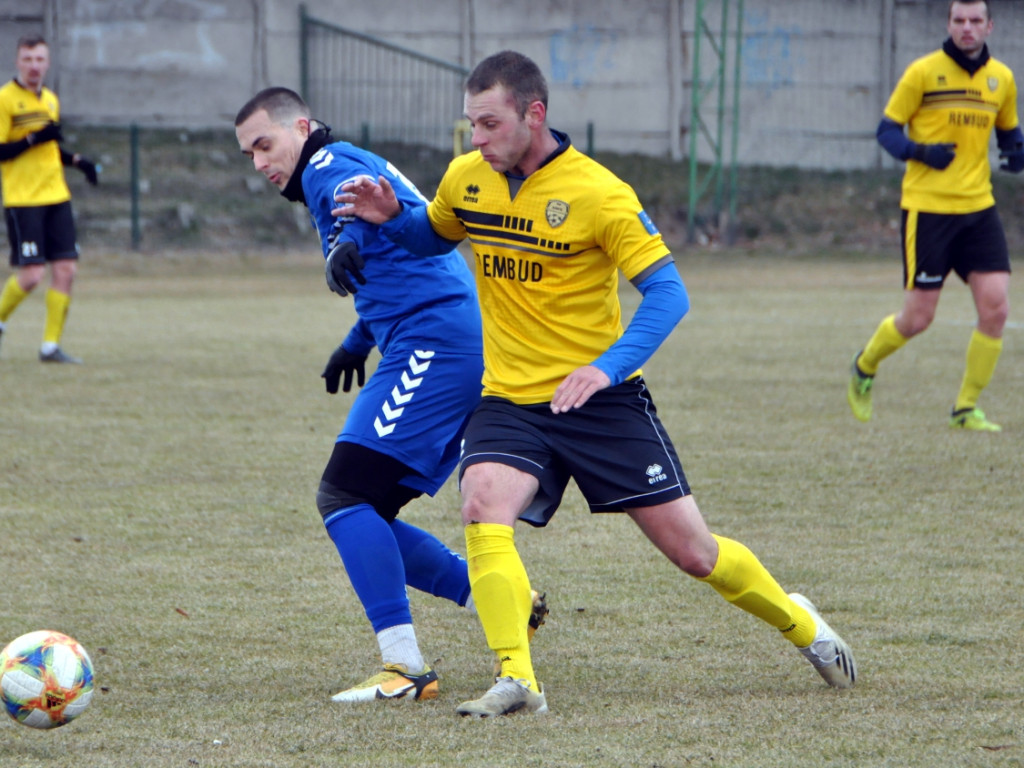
(369, 90)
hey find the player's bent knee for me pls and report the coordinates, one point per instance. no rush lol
(358, 475)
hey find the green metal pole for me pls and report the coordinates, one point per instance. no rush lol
(720, 110)
(691, 229)
(133, 138)
(737, 80)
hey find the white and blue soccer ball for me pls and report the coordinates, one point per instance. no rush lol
(46, 679)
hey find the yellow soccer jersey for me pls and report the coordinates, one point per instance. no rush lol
(547, 264)
(940, 102)
(36, 176)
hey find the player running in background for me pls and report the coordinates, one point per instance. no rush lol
(36, 198)
(563, 392)
(950, 100)
(401, 436)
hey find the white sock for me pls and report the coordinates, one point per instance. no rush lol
(398, 646)
(470, 604)
(47, 347)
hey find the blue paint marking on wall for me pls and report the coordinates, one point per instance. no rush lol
(768, 59)
(579, 52)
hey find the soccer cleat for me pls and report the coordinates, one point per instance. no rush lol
(537, 614)
(394, 682)
(829, 653)
(858, 393)
(972, 418)
(58, 356)
(506, 697)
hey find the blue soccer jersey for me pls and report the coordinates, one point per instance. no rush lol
(421, 313)
(410, 300)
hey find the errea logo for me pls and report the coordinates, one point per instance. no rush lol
(472, 192)
(655, 474)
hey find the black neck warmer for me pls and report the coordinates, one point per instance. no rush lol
(317, 140)
(969, 65)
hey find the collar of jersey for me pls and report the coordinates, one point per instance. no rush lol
(563, 144)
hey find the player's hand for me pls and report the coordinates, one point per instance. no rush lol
(89, 168)
(344, 268)
(50, 132)
(578, 387)
(343, 361)
(937, 156)
(1014, 159)
(372, 201)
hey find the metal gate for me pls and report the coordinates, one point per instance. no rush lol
(370, 91)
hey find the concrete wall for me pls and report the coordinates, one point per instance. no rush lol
(814, 73)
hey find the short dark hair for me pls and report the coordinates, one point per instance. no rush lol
(988, 9)
(31, 41)
(281, 104)
(516, 72)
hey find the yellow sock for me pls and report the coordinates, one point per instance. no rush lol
(56, 313)
(501, 593)
(982, 355)
(739, 577)
(885, 341)
(11, 296)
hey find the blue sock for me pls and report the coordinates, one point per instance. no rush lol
(373, 562)
(429, 565)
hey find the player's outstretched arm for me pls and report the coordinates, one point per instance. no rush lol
(371, 201)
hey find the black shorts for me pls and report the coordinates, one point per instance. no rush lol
(935, 243)
(614, 447)
(41, 233)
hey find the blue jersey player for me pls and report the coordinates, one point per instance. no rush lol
(401, 437)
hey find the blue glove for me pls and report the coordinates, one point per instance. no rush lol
(343, 361)
(343, 264)
(937, 156)
(1014, 159)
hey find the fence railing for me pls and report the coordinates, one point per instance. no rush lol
(369, 90)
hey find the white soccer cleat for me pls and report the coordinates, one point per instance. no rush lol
(829, 653)
(506, 697)
(394, 682)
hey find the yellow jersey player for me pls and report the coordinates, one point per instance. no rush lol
(36, 199)
(563, 392)
(950, 101)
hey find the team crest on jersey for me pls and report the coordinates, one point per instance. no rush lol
(556, 212)
(993, 84)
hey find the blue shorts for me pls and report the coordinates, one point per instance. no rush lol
(414, 408)
(615, 448)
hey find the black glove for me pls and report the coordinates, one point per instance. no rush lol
(50, 132)
(88, 167)
(937, 156)
(343, 361)
(342, 260)
(1014, 159)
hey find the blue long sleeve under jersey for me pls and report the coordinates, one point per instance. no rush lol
(664, 304)
(409, 300)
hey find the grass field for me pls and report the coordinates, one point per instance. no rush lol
(158, 504)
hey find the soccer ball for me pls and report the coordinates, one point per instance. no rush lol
(45, 679)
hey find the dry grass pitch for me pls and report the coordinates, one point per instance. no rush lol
(157, 503)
